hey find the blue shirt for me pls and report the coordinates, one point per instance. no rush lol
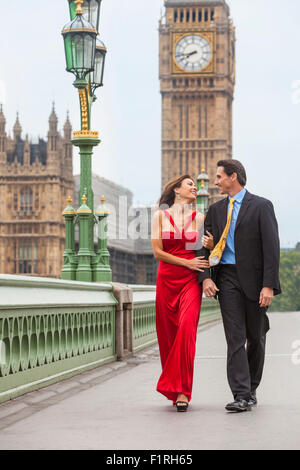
(229, 252)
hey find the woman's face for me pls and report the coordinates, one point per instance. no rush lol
(187, 190)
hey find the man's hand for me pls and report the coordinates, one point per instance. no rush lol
(209, 288)
(208, 241)
(266, 297)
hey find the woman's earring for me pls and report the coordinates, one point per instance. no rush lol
(178, 196)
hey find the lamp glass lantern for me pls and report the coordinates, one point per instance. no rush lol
(80, 45)
(97, 75)
(91, 11)
(203, 194)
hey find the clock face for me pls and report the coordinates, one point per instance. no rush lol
(193, 53)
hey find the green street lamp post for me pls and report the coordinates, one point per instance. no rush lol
(90, 9)
(97, 75)
(203, 194)
(85, 58)
(70, 260)
(84, 272)
(102, 269)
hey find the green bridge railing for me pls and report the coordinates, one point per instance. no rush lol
(144, 328)
(52, 329)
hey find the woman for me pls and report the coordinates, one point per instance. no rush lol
(175, 234)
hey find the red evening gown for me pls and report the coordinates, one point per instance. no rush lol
(178, 304)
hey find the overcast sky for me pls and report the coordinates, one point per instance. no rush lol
(128, 113)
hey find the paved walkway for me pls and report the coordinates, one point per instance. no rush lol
(117, 407)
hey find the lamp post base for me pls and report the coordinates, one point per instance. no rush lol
(83, 276)
(84, 272)
(102, 275)
(68, 274)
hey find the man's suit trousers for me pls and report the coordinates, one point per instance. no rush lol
(245, 325)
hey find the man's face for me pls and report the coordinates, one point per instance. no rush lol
(223, 181)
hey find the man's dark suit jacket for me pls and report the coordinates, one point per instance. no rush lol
(256, 241)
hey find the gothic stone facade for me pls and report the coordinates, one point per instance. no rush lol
(35, 182)
(197, 76)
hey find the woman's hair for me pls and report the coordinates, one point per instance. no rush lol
(168, 196)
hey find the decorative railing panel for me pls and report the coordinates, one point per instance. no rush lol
(144, 328)
(43, 343)
(31, 340)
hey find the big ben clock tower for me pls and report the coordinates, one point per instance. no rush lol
(197, 76)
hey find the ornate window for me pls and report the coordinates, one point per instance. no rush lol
(26, 257)
(15, 201)
(26, 200)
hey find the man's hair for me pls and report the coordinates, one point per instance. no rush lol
(234, 166)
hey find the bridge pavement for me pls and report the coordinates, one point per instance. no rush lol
(116, 406)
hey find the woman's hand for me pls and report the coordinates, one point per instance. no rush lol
(208, 241)
(197, 263)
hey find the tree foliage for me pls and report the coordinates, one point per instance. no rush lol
(289, 300)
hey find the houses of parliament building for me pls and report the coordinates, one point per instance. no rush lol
(35, 181)
(197, 77)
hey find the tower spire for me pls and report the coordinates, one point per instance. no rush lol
(2, 128)
(53, 116)
(2, 117)
(67, 128)
(53, 121)
(17, 128)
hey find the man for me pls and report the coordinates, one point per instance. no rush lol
(245, 276)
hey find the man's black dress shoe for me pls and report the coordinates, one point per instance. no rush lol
(253, 399)
(238, 406)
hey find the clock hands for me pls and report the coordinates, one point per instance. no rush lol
(186, 55)
(191, 53)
